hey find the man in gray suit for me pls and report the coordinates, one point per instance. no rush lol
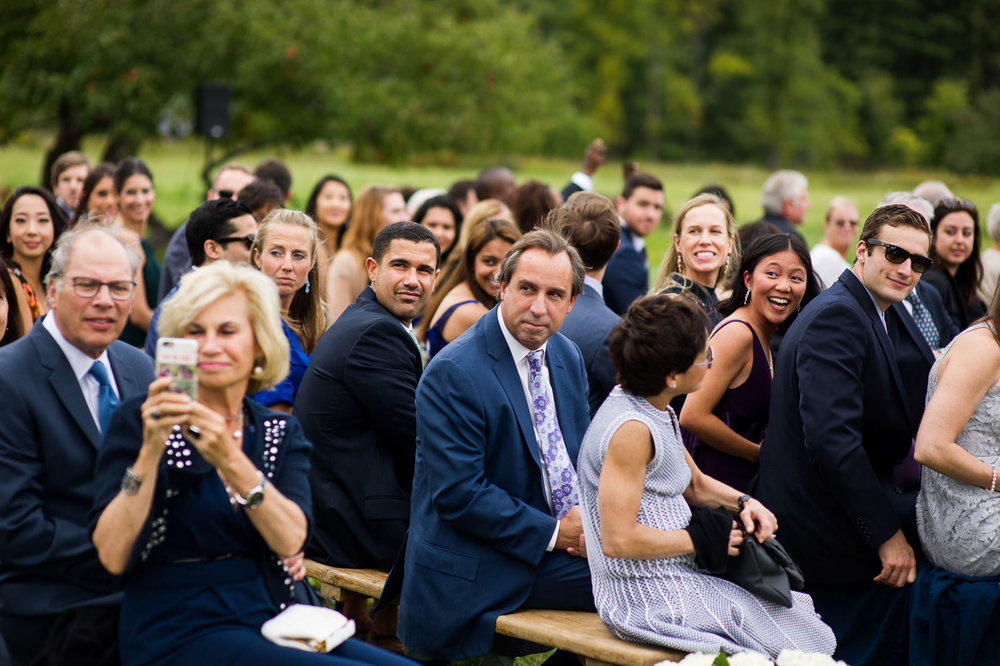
(590, 223)
(59, 385)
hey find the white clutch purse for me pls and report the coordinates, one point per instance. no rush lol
(310, 628)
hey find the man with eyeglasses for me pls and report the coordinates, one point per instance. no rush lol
(227, 184)
(838, 426)
(218, 230)
(59, 386)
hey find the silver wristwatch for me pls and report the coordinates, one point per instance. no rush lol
(255, 496)
(130, 482)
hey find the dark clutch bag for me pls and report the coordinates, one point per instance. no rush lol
(765, 569)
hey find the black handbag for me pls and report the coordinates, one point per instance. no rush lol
(766, 569)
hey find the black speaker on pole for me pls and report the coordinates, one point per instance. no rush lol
(212, 110)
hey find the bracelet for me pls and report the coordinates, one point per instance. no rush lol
(131, 481)
(741, 502)
(993, 484)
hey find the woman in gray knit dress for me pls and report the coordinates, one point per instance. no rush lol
(637, 487)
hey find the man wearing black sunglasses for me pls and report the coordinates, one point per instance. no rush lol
(839, 424)
(218, 230)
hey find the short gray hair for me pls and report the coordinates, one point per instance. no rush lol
(781, 185)
(86, 225)
(923, 206)
(553, 244)
(993, 222)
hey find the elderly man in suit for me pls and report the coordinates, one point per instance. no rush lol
(839, 425)
(60, 384)
(356, 405)
(589, 222)
(495, 522)
(640, 207)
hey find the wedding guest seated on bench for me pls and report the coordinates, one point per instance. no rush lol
(637, 486)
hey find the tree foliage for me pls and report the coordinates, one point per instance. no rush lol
(796, 82)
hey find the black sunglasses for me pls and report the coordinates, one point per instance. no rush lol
(225, 194)
(897, 255)
(248, 239)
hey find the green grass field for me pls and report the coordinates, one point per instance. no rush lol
(176, 166)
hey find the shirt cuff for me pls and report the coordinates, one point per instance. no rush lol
(583, 181)
(552, 541)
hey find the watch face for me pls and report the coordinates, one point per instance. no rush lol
(255, 497)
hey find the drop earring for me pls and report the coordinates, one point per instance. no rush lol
(746, 298)
(307, 284)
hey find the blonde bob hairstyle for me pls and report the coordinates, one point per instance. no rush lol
(669, 265)
(199, 289)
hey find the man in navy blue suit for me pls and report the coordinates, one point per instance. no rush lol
(356, 405)
(501, 412)
(640, 207)
(839, 425)
(589, 222)
(59, 384)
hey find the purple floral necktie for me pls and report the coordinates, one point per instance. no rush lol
(562, 476)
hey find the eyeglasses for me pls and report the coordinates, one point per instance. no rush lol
(897, 255)
(846, 223)
(957, 204)
(248, 239)
(225, 194)
(120, 290)
(708, 361)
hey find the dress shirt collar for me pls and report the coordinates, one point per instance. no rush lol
(79, 361)
(595, 284)
(637, 241)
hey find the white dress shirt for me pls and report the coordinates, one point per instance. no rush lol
(81, 363)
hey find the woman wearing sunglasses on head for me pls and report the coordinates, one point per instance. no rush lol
(957, 266)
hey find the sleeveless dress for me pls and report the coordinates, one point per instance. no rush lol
(668, 601)
(744, 409)
(435, 334)
(955, 603)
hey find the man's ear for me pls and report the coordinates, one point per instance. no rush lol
(212, 250)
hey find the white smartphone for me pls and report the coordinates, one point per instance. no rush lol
(178, 358)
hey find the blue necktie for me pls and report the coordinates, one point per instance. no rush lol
(923, 319)
(107, 401)
(562, 476)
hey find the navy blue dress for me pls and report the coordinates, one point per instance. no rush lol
(435, 334)
(201, 580)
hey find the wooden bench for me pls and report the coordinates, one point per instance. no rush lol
(581, 633)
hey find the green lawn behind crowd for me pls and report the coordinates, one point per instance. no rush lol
(176, 166)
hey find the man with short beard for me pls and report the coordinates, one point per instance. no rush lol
(356, 405)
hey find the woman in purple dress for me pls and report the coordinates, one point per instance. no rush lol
(725, 419)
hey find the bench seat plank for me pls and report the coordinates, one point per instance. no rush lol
(581, 633)
(578, 632)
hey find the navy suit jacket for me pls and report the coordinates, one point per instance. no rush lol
(48, 448)
(588, 325)
(839, 423)
(627, 275)
(913, 354)
(479, 521)
(356, 405)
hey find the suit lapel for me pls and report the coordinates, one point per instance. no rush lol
(907, 322)
(127, 380)
(562, 396)
(64, 383)
(864, 299)
(510, 381)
